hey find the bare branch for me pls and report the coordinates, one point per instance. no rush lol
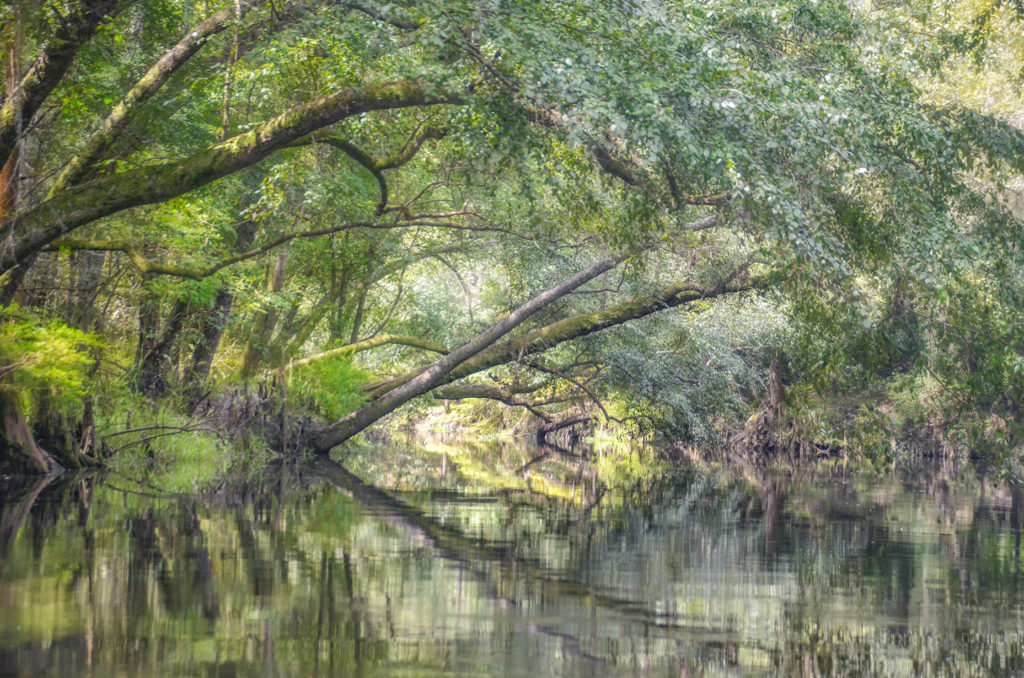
(465, 287)
(578, 384)
(468, 391)
(145, 265)
(374, 166)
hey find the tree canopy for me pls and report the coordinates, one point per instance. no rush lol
(333, 192)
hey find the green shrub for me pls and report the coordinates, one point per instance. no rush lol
(330, 387)
(42, 357)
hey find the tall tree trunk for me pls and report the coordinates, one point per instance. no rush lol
(339, 290)
(212, 323)
(357, 319)
(154, 357)
(265, 320)
(211, 329)
(87, 270)
(13, 41)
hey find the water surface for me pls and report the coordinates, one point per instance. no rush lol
(512, 565)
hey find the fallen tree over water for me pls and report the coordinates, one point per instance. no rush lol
(485, 352)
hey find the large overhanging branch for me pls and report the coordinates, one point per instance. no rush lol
(375, 166)
(73, 29)
(148, 85)
(543, 338)
(657, 302)
(79, 205)
(438, 372)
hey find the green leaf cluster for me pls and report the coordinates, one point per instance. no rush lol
(43, 358)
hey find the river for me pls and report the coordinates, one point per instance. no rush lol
(507, 561)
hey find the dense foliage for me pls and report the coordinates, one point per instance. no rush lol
(721, 222)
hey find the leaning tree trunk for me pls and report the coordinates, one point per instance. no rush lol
(484, 351)
(19, 452)
(436, 374)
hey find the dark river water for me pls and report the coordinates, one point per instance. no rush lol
(512, 565)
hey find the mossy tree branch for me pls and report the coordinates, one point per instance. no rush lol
(82, 204)
(439, 371)
(73, 30)
(148, 85)
(541, 339)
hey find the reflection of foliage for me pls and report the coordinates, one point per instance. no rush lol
(167, 450)
(862, 577)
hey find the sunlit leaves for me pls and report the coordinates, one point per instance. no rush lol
(40, 358)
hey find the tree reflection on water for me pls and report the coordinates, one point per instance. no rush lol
(526, 566)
